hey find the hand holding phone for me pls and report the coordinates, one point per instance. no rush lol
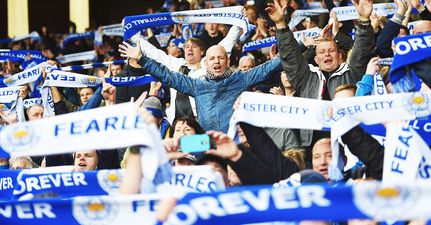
(195, 143)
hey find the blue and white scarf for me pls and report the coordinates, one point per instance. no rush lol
(227, 15)
(343, 13)
(58, 78)
(102, 128)
(408, 50)
(403, 154)
(289, 112)
(21, 55)
(28, 76)
(113, 30)
(85, 210)
(77, 36)
(82, 56)
(34, 183)
(366, 200)
(266, 42)
(34, 36)
(9, 97)
(93, 65)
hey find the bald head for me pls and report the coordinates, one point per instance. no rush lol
(246, 62)
(216, 60)
(422, 26)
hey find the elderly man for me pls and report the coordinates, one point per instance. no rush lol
(320, 82)
(216, 91)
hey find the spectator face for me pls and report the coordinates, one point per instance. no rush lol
(35, 112)
(85, 95)
(422, 26)
(218, 168)
(284, 80)
(216, 60)
(251, 15)
(233, 177)
(85, 160)
(241, 136)
(245, 64)
(212, 29)
(181, 129)
(173, 50)
(192, 52)
(322, 156)
(328, 56)
(115, 70)
(347, 93)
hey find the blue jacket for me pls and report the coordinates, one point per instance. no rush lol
(214, 98)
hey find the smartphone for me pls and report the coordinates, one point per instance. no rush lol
(195, 143)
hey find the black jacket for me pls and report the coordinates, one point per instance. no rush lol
(263, 163)
(367, 149)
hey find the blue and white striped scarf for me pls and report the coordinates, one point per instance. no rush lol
(227, 15)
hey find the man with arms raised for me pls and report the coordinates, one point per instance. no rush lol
(320, 82)
(216, 91)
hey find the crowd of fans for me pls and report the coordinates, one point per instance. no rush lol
(201, 80)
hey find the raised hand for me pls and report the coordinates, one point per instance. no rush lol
(276, 91)
(154, 88)
(276, 13)
(418, 5)
(373, 66)
(364, 8)
(128, 51)
(226, 147)
(336, 23)
(401, 7)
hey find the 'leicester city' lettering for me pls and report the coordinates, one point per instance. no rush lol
(27, 211)
(109, 123)
(352, 110)
(274, 108)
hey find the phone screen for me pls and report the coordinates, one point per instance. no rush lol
(195, 143)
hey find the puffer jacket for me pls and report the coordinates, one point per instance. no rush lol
(214, 98)
(308, 80)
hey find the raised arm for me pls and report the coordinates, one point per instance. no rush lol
(292, 60)
(267, 151)
(175, 80)
(390, 31)
(364, 46)
(229, 41)
(262, 72)
(249, 168)
(367, 149)
(160, 56)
